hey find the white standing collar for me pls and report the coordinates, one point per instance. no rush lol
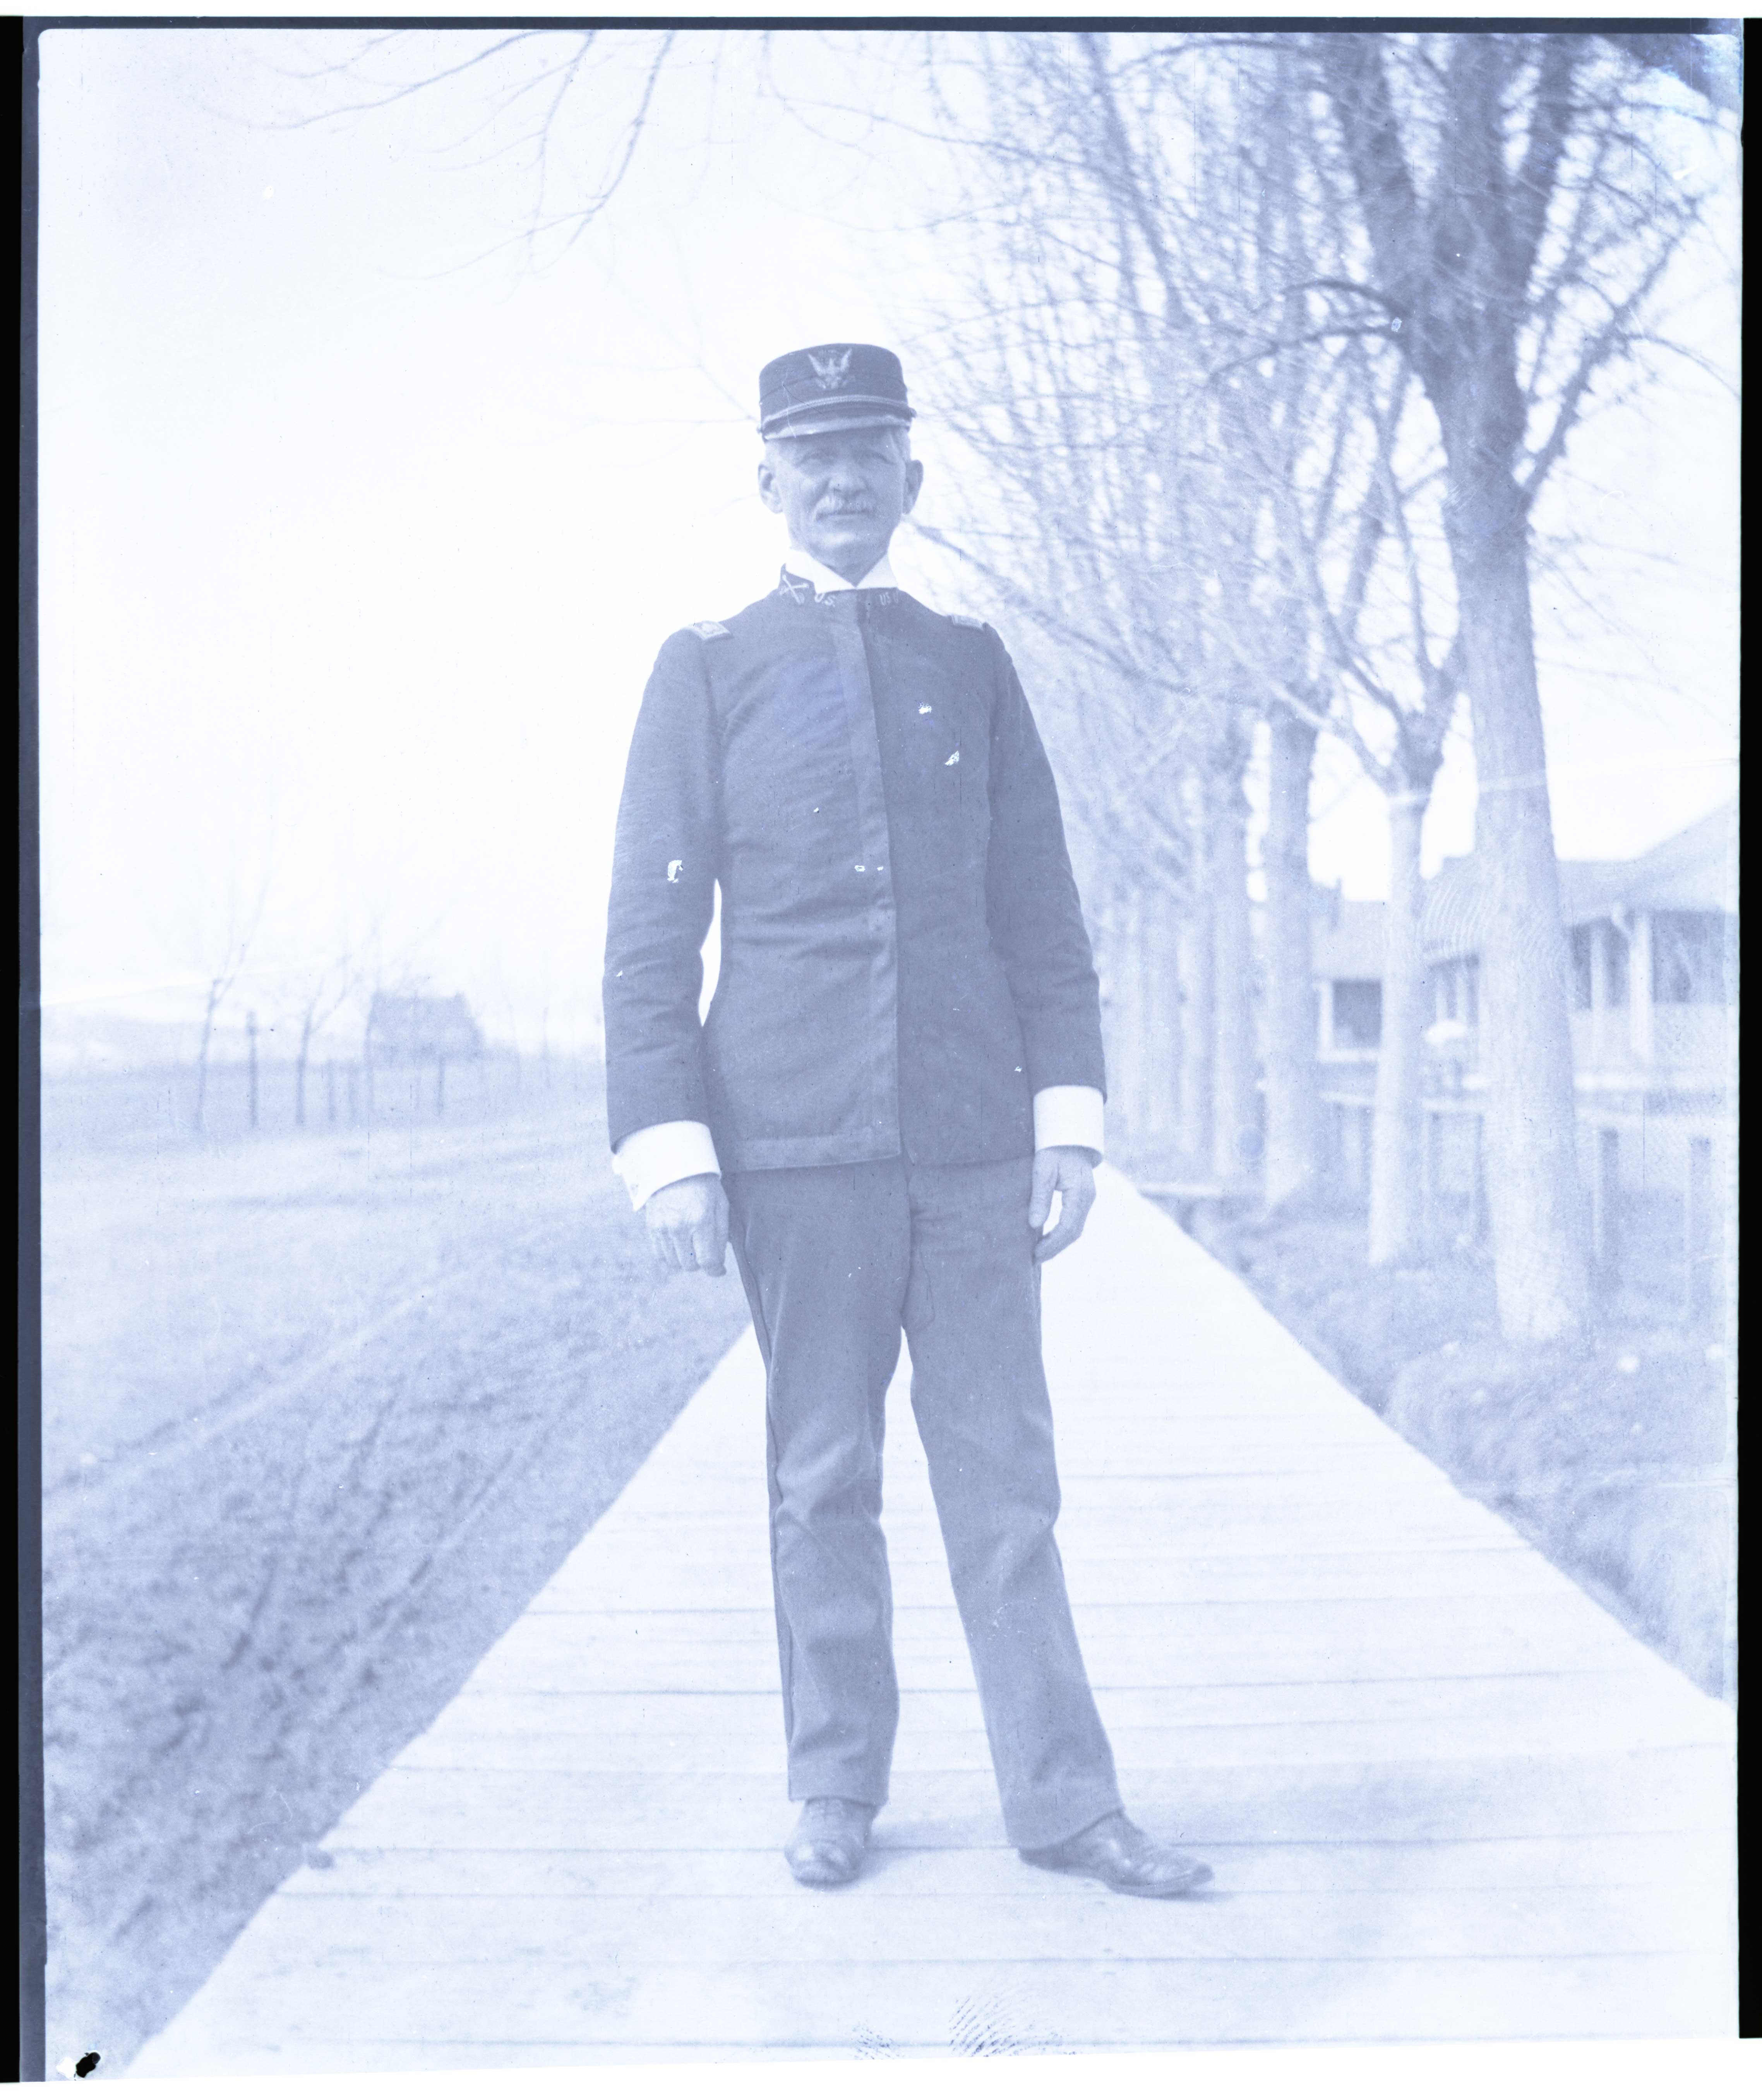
(825, 580)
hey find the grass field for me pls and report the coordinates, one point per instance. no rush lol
(321, 1412)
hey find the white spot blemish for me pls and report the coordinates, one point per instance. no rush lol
(861, 869)
(952, 759)
(674, 868)
(927, 709)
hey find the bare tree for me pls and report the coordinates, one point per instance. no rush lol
(1503, 210)
(1571, 251)
(319, 991)
(1115, 382)
(1366, 653)
(1518, 215)
(223, 938)
(1291, 1169)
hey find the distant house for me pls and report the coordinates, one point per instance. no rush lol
(413, 1030)
(1652, 948)
(1346, 949)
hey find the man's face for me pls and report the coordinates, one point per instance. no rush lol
(843, 493)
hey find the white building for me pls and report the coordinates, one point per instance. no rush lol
(1652, 951)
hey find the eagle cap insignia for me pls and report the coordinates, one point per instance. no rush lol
(832, 370)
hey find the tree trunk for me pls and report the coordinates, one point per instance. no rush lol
(1123, 964)
(199, 1121)
(1457, 271)
(1235, 1134)
(1161, 1018)
(1395, 1121)
(1532, 1172)
(1143, 1023)
(1194, 965)
(299, 1074)
(1287, 1009)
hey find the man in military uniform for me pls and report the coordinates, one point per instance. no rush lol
(900, 1072)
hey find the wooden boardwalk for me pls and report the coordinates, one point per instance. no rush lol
(1446, 1796)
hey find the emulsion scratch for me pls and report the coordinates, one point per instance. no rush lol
(1000, 2023)
(976, 2030)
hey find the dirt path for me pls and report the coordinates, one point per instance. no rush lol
(320, 1417)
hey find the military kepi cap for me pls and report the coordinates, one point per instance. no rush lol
(834, 386)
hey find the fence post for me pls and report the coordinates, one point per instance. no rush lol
(354, 1093)
(440, 1085)
(1477, 1217)
(250, 1037)
(1697, 1230)
(1429, 1167)
(1605, 1189)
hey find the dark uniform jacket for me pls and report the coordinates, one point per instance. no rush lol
(904, 963)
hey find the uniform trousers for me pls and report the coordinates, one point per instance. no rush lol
(836, 1261)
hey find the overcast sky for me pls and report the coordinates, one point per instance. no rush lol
(354, 553)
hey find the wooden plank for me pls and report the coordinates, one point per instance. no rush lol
(690, 1931)
(1444, 1794)
(1400, 1620)
(563, 1653)
(1602, 1710)
(1594, 1864)
(668, 1584)
(690, 1667)
(1136, 1750)
(1661, 1790)
(1040, 2005)
(737, 1542)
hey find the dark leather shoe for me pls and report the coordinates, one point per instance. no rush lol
(1128, 1860)
(829, 1841)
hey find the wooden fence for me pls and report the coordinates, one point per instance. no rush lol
(158, 1105)
(1660, 1192)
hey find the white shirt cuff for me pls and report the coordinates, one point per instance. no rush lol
(664, 1153)
(1068, 1115)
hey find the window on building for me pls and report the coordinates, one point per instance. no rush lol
(1470, 990)
(1446, 992)
(1615, 964)
(1581, 968)
(1694, 958)
(1358, 1013)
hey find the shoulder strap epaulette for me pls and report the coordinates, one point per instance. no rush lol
(965, 620)
(709, 630)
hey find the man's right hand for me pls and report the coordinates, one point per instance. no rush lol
(688, 1223)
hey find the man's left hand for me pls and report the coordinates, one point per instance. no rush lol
(1064, 1171)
